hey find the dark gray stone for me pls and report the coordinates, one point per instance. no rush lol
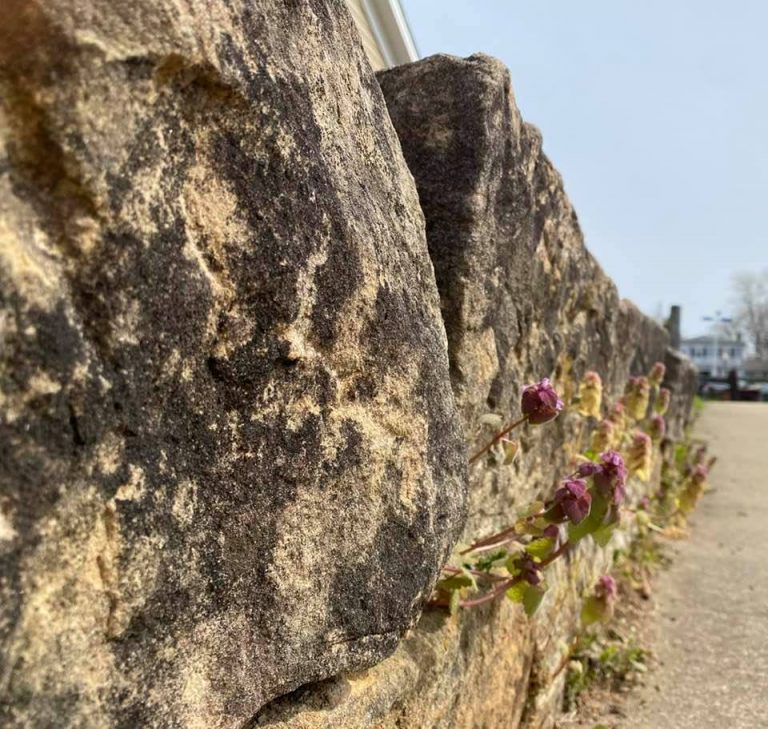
(522, 299)
(231, 462)
(521, 296)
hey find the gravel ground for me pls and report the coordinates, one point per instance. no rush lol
(711, 634)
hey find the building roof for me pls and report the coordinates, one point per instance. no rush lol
(720, 341)
(384, 30)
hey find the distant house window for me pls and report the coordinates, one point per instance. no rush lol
(704, 352)
(733, 352)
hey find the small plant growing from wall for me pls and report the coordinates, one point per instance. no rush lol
(588, 502)
(607, 657)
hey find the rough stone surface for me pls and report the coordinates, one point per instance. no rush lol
(522, 299)
(230, 462)
(683, 380)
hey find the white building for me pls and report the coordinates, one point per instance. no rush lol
(384, 31)
(715, 356)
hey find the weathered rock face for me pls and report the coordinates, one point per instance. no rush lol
(522, 298)
(683, 379)
(231, 462)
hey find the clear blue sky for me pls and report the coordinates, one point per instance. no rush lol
(656, 114)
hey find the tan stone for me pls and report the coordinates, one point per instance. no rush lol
(522, 299)
(231, 463)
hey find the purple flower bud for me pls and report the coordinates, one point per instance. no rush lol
(540, 403)
(661, 405)
(606, 588)
(587, 469)
(656, 375)
(611, 479)
(572, 501)
(590, 395)
(529, 569)
(699, 475)
(644, 503)
(640, 456)
(637, 396)
(657, 427)
(552, 531)
(603, 436)
(616, 414)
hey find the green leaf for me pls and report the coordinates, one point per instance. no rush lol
(540, 548)
(603, 534)
(516, 593)
(511, 565)
(592, 522)
(510, 451)
(456, 582)
(535, 508)
(609, 653)
(486, 562)
(592, 610)
(681, 454)
(525, 526)
(453, 604)
(532, 598)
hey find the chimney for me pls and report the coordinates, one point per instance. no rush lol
(673, 327)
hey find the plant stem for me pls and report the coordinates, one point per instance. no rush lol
(500, 589)
(565, 659)
(497, 438)
(500, 538)
(559, 552)
(494, 540)
(475, 573)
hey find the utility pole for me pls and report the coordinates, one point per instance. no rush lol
(718, 318)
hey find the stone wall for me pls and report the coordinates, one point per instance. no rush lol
(521, 298)
(231, 463)
(238, 383)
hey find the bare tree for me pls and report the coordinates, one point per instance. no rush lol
(750, 296)
(728, 330)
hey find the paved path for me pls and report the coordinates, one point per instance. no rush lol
(712, 637)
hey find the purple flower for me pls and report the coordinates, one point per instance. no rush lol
(529, 569)
(540, 403)
(699, 475)
(656, 375)
(640, 456)
(590, 395)
(611, 479)
(616, 414)
(637, 396)
(587, 469)
(661, 405)
(606, 588)
(552, 531)
(572, 501)
(644, 503)
(657, 427)
(603, 436)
